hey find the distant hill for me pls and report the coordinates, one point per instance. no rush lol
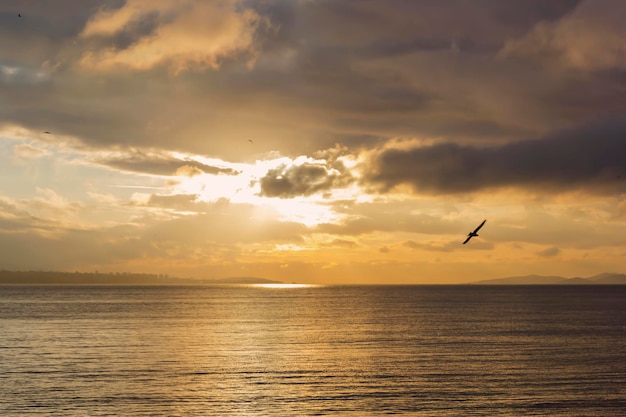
(96, 278)
(608, 278)
(600, 279)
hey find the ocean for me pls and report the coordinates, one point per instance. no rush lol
(313, 351)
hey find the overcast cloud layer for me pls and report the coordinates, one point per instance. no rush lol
(350, 137)
(591, 158)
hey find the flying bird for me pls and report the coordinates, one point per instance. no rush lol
(474, 233)
(250, 140)
(47, 133)
(19, 15)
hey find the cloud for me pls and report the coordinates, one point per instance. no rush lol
(304, 179)
(590, 157)
(178, 35)
(26, 151)
(160, 163)
(447, 247)
(51, 203)
(45, 215)
(426, 70)
(590, 38)
(178, 201)
(21, 75)
(389, 217)
(210, 236)
(411, 244)
(225, 223)
(34, 41)
(342, 243)
(549, 252)
(177, 89)
(481, 20)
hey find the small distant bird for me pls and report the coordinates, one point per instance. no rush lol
(474, 233)
(47, 133)
(19, 15)
(250, 140)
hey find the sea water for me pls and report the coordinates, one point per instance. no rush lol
(313, 351)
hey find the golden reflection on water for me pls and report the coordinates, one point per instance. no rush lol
(236, 350)
(284, 286)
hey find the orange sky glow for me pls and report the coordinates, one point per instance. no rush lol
(314, 141)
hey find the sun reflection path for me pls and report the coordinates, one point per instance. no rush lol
(276, 285)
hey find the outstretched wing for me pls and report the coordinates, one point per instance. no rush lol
(467, 240)
(478, 228)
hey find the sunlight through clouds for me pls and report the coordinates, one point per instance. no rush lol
(244, 188)
(324, 141)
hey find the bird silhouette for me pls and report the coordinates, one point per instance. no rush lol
(47, 133)
(250, 140)
(474, 233)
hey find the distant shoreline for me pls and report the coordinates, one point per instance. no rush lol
(134, 279)
(600, 279)
(116, 279)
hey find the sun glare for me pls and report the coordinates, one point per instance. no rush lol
(284, 286)
(307, 212)
(244, 188)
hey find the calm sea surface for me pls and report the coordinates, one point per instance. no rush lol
(338, 351)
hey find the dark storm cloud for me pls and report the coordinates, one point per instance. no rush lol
(591, 157)
(383, 47)
(44, 29)
(378, 69)
(349, 21)
(593, 95)
(323, 79)
(303, 180)
(388, 48)
(162, 165)
(358, 78)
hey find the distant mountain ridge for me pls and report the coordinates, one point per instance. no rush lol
(606, 278)
(96, 278)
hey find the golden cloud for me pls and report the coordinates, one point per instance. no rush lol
(186, 35)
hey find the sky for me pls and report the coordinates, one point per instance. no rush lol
(314, 141)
